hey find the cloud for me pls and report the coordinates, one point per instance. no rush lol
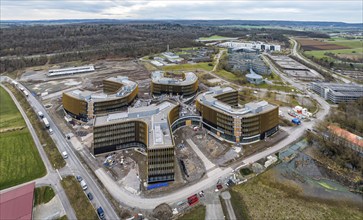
(323, 10)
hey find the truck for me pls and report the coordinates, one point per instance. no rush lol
(84, 185)
(46, 122)
(296, 121)
(40, 114)
(101, 213)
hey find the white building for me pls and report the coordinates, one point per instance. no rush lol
(251, 45)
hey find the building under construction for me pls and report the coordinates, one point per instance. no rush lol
(186, 85)
(147, 127)
(223, 117)
(118, 93)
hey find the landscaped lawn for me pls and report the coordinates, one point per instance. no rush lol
(19, 158)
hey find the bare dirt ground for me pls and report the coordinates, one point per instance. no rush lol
(38, 82)
(193, 164)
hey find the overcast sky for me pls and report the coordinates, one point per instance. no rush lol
(296, 10)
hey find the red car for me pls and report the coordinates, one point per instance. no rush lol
(219, 186)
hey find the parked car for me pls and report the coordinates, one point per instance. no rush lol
(79, 178)
(90, 196)
(65, 154)
(101, 213)
(84, 185)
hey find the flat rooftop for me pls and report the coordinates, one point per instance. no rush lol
(155, 115)
(127, 87)
(17, 203)
(343, 89)
(209, 99)
(71, 70)
(159, 77)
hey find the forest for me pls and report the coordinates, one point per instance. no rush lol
(24, 46)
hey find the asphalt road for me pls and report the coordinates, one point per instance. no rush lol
(73, 163)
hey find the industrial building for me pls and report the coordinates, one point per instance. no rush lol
(147, 127)
(222, 115)
(71, 70)
(254, 78)
(118, 93)
(187, 85)
(251, 45)
(336, 92)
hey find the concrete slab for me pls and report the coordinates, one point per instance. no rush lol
(207, 163)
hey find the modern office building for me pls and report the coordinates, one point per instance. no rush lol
(336, 92)
(246, 60)
(187, 85)
(118, 93)
(251, 45)
(222, 115)
(71, 70)
(254, 78)
(147, 127)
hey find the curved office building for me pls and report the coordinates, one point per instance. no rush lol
(147, 127)
(222, 116)
(118, 93)
(161, 84)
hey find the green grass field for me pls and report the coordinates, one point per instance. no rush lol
(20, 161)
(189, 67)
(226, 75)
(197, 213)
(49, 146)
(214, 37)
(10, 116)
(43, 195)
(321, 53)
(348, 43)
(355, 51)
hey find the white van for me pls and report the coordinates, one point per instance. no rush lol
(65, 154)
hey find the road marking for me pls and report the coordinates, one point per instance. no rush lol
(59, 174)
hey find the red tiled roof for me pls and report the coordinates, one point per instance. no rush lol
(353, 138)
(17, 203)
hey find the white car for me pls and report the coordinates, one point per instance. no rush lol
(65, 154)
